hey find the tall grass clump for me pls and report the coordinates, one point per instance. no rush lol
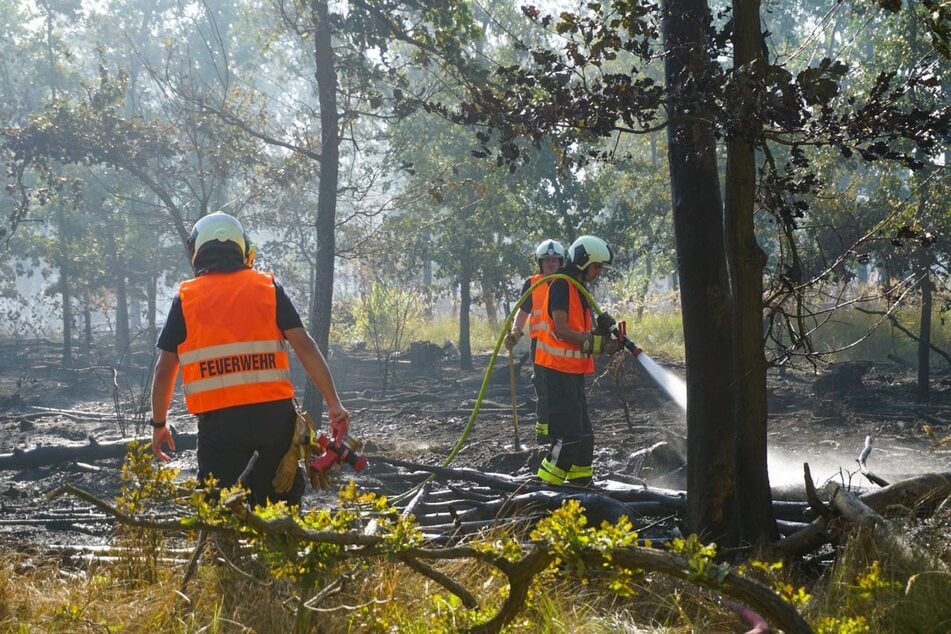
(659, 334)
(854, 335)
(445, 328)
(879, 586)
(357, 319)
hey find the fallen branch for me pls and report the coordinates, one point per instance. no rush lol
(444, 580)
(598, 507)
(748, 592)
(902, 552)
(911, 493)
(55, 521)
(537, 557)
(148, 521)
(107, 550)
(91, 451)
(445, 505)
(457, 529)
(72, 412)
(863, 456)
(417, 501)
(812, 496)
(498, 481)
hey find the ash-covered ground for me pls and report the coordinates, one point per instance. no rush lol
(424, 410)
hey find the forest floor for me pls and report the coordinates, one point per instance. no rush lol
(424, 410)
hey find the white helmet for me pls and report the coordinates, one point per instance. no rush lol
(588, 250)
(217, 226)
(548, 248)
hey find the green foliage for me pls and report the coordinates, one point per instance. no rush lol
(860, 598)
(866, 588)
(144, 486)
(566, 534)
(439, 329)
(865, 604)
(381, 317)
(89, 132)
(771, 573)
(307, 562)
(700, 558)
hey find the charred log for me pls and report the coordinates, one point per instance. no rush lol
(931, 488)
(93, 450)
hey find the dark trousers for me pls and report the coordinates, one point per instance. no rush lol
(228, 437)
(541, 389)
(571, 453)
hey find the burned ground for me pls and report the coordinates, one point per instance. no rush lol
(640, 433)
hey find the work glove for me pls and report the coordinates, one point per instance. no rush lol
(283, 480)
(511, 339)
(600, 344)
(319, 480)
(611, 346)
(605, 323)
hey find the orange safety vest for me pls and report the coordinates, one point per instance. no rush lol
(557, 354)
(233, 353)
(539, 297)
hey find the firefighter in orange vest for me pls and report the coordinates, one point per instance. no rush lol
(565, 348)
(228, 329)
(550, 256)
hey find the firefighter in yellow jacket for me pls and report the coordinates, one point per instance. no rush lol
(565, 347)
(229, 330)
(550, 255)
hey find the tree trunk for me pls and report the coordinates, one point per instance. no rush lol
(745, 262)
(427, 279)
(64, 289)
(491, 306)
(322, 297)
(704, 291)
(922, 265)
(122, 315)
(645, 291)
(152, 300)
(465, 305)
(923, 271)
(87, 323)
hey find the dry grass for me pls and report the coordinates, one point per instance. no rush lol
(865, 587)
(41, 596)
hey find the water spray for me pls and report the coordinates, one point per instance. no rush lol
(675, 386)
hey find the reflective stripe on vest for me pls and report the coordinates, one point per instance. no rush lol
(233, 353)
(557, 354)
(539, 296)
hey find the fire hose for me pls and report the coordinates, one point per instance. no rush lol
(671, 384)
(667, 382)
